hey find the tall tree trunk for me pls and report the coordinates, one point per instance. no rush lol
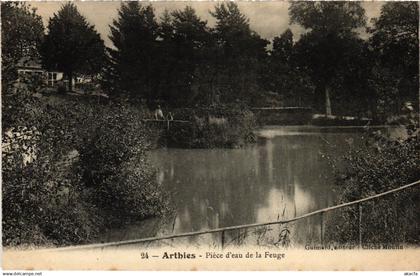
(319, 98)
(327, 101)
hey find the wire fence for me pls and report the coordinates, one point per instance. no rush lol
(258, 230)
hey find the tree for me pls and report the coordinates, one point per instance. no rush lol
(283, 46)
(283, 76)
(134, 58)
(189, 42)
(166, 53)
(21, 36)
(394, 43)
(330, 43)
(232, 28)
(72, 45)
(242, 49)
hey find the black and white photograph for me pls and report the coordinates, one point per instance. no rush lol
(210, 131)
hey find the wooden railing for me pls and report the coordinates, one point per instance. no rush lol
(223, 230)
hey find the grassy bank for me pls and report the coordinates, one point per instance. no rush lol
(72, 168)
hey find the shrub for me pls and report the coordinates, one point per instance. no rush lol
(116, 169)
(381, 165)
(50, 146)
(228, 127)
(42, 202)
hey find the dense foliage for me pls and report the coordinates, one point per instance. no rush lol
(393, 63)
(380, 165)
(21, 36)
(115, 165)
(330, 44)
(68, 172)
(229, 127)
(288, 84)
(72, 45)
(182, 62)
(132, 63)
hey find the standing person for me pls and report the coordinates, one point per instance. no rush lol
(159, 113)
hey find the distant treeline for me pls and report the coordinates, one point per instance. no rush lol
(177, 59)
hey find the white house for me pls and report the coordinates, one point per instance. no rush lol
(32, 66)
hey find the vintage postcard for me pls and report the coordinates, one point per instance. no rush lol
(221, 135)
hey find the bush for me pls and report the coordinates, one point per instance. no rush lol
(381, 165)
(39, 185)
(50, 147)
(229, 128)
(116, 169)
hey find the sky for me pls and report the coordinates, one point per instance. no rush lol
(267, 18)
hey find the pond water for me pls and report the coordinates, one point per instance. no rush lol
(284, 175)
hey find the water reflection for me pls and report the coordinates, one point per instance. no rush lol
(282, 176)
(278, 178)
